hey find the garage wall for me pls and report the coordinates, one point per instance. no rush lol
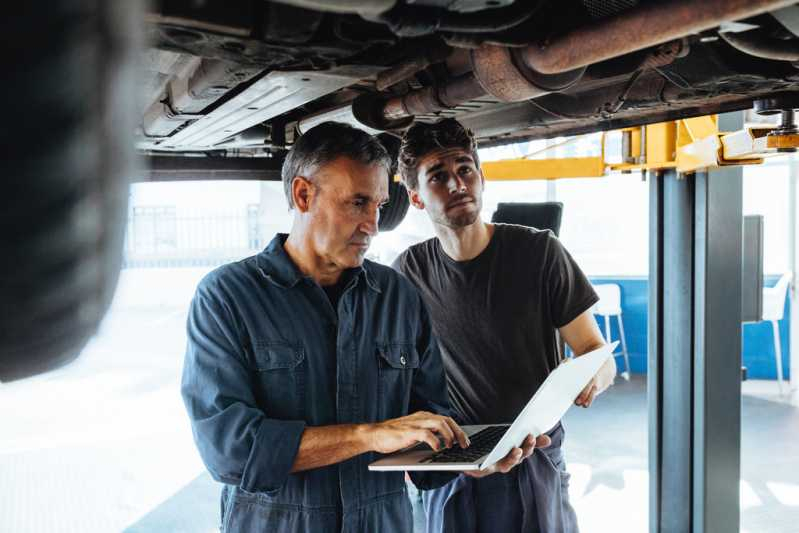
(758, 343)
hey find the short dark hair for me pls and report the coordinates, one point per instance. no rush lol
(423, 138)
(326, 142)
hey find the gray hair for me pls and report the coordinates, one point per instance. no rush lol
(326, 142)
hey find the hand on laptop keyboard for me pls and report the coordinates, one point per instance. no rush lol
(514, 457)
(482, 443)
(398, 433)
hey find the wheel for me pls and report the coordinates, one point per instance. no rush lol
(67, 147)
(393, 213)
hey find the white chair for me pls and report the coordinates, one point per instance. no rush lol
(609, 305)
(774, 311)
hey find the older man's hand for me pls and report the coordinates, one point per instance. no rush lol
(514, 457)
(398, 433)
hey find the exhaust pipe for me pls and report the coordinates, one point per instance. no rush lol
(640, 28)
(512, 75)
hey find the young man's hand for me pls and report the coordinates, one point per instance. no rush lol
(398, 433)
(587, 395)
(514, 457)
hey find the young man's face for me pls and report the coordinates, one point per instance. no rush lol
(344, 210)
(450, 188)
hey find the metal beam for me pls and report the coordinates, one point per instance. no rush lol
(717, 351)
(533, 169)
(670, 356)
(181, 168)
(793, 235)
(655, 349)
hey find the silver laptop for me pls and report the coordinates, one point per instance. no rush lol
(490, 443)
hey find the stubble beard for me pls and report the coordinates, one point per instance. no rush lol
(461, 220)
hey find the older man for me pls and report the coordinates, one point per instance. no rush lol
(305, 360)
(497, 294)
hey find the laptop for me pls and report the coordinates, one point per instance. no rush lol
(491, 443)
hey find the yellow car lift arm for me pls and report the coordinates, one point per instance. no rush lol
(687, 145)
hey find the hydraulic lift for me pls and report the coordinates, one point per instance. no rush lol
(694, 167)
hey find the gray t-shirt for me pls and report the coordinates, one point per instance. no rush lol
(496, 316)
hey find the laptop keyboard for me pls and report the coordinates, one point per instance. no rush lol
(482, 443)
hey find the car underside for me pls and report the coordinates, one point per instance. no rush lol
(244, 78)
(222, 89)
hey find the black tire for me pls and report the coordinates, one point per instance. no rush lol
(69, 92)
(394, 212)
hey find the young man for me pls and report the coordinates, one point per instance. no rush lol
(304, 361)
(497, 295)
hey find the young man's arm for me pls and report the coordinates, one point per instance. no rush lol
(571, 297)
(582, 335)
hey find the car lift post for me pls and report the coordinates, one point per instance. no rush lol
(694, 367)
(695, 348)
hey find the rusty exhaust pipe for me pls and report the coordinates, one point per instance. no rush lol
(512, 75)
(640, 28)
(432, 99)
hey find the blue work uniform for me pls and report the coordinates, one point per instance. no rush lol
(268, 355)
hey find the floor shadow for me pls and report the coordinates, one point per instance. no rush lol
(193, 509)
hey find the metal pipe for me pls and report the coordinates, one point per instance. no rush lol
(494, 72)
(634, 30)
(362, 7)
(408, 68)
(401, 72)
(640, 28)
(757, 45)
(432, 99)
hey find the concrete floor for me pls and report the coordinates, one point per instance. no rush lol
(607, 453)
(104, 445)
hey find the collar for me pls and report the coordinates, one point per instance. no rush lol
(274, 264)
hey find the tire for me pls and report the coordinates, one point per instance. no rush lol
(70, 93)
(394, 212)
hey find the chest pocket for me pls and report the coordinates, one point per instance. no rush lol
(280, 376)
(396, 365)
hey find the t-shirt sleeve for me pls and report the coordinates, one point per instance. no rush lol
(568, 289)
(397, 264)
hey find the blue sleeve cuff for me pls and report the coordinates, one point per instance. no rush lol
(272, 455)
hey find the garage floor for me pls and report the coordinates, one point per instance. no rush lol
(103, 446)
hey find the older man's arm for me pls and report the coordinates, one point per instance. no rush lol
(240, 444)
(326, 445)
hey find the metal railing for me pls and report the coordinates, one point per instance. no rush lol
(160, 236)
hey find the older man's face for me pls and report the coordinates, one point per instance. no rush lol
(344, 213)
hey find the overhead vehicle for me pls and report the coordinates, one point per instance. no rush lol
(219, 90)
